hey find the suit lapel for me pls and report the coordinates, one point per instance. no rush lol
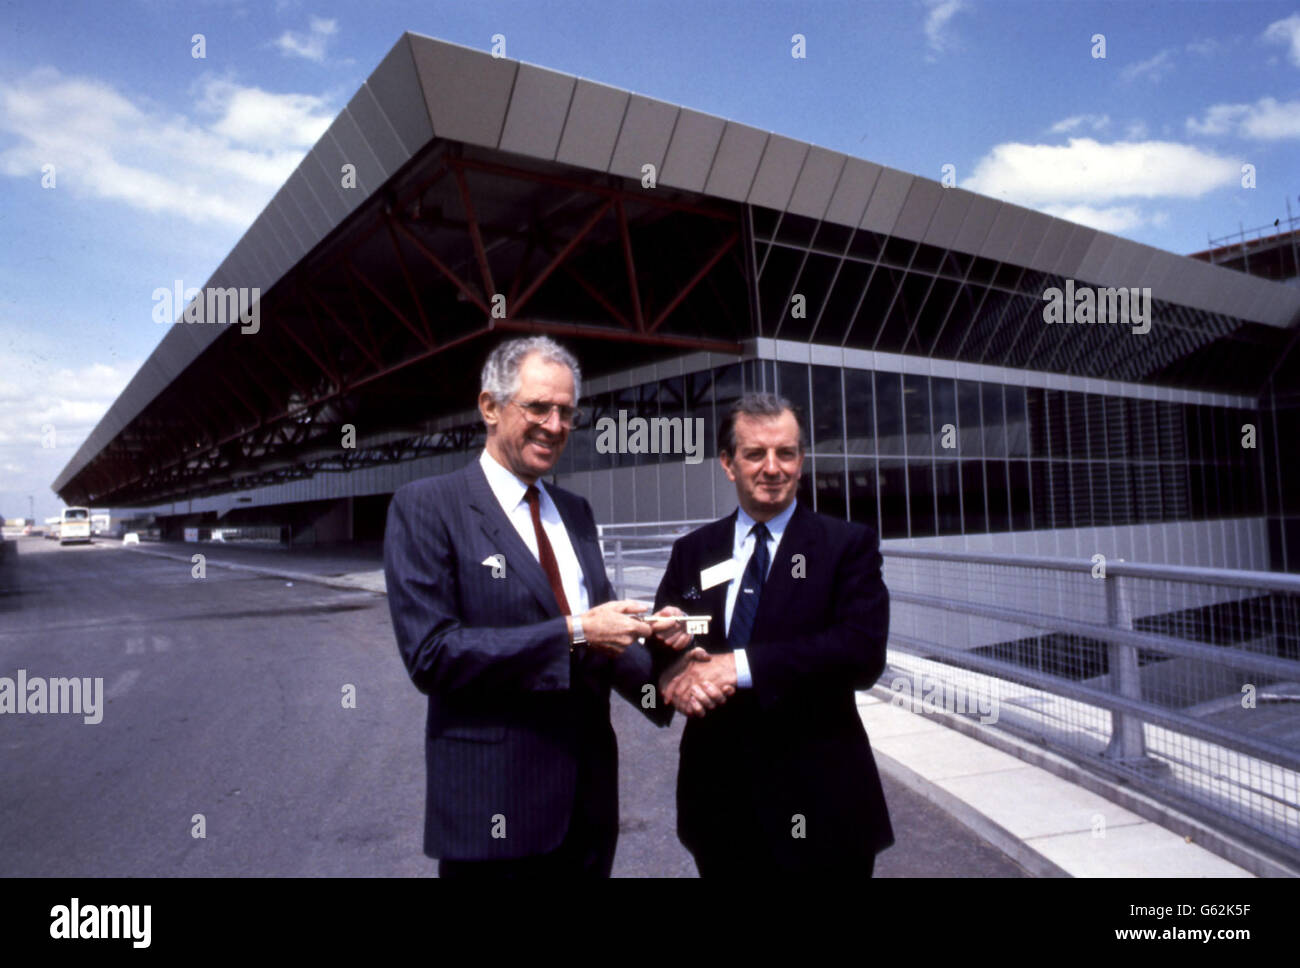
(718, 546)
(494, 523)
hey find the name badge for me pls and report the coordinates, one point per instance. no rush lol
(723, 571)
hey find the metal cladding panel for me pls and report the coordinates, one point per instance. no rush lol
(1284, 307)
(736, 161)
(948, 217)
(1089, 269)
(274, 259)
(288, 225)
(691, 150)
(918, 209)
(1256, 305)
(1033, 229)
(672, 491)
(314, 219)
(281, 240)
(1125, 264)
(1193, 287)
(466, 90)
(1075, 248)
(777, 172)
(812, 192)
(1053, 245)
(355, 151)
(379, 134)
(396, 89)
(977, 225)
(176, 350)
(538, 107)
(886, 201)
(643, 139)
(328, 189)
(1001, 238)
(1160, 268)
(591, 130)
(856, 184)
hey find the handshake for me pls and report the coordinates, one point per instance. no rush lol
(694, 684)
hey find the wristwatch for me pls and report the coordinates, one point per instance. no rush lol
(577, 637)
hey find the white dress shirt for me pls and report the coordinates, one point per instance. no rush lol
(743, 545)
(510, 491)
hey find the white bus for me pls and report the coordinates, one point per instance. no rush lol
(74, 525)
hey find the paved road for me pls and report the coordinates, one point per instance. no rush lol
(223, 698)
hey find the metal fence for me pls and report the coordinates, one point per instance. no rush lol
(1182, 682)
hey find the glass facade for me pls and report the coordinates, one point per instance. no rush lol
(917, 456)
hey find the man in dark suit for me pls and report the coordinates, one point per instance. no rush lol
(505, 619)
(776, 773)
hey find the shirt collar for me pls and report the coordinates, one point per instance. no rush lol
(776, 527)
(508, 488)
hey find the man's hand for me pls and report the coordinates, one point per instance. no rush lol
(698, 681)
(610, 628)
(670, 631)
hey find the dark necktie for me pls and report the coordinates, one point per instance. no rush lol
(751, 589)
(545, 554)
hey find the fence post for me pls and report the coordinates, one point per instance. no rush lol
(618, 567)
(1126, 740)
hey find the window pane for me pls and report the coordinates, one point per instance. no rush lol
(995, 475)
(860, 411)
(832, 497)
(920, 478)
(863, 493)
(1021, 519)
(972, 496)
(828, 414)
(971, 437)
(916, 405)
(995, 440)
(947, 485)
(889, 413)
(893, 499)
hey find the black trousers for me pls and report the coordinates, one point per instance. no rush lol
(587, 851)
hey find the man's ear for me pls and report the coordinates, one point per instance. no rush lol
(725, 459)
(489, 410)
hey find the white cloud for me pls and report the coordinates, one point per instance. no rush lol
(1119, 218)
(222, 167)
(1286, 32)
(310, 45)
(36, 395)
(938, 16)
(1265, 120)
(1209, 45)
(1153, 68)
(1095, 121)
(1088, 172)
(1135, 131)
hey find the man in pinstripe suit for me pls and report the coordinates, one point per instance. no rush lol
(503, 614)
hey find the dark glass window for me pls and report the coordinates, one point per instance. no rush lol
(943, 408)
(828, 413)
(972, 496)
(920, 479)
(832, 492)
(995, 435)
(1017, 429)
(859, 412)
(916, 410)
(1018, 479)
(864, 503)
(947, 486)
(893, 498)
(889, 413)
(995, 476)
(792, 383)
(969, 425)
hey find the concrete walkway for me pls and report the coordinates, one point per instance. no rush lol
(1045, 813)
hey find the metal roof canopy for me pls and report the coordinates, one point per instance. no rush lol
(478, 175)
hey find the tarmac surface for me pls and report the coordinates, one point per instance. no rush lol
(223, 708)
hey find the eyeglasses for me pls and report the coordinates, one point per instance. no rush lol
(538, 412)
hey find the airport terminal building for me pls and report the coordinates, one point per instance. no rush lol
(462, 198)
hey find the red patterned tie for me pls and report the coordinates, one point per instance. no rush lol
(545, 553)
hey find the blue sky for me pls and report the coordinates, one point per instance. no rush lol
(162, 159)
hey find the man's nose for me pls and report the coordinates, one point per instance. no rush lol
(553, 424)
(770, 465)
